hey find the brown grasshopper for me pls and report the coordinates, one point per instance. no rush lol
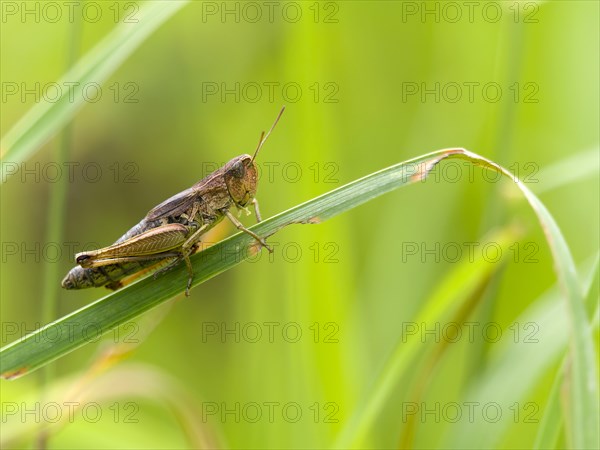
(171, 231)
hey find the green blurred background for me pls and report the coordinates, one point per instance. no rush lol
(345, 71)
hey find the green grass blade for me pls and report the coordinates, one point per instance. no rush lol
(46, 118)
(33, 351)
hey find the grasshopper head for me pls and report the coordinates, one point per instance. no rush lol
(241, 173)
(241, 179)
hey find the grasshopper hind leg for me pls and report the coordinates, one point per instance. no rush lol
(188, 263)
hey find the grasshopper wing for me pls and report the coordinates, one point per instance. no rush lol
(182, 201)
(174, 206)
(147, 245)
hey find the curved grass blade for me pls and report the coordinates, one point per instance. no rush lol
(32, 351)
(46, 118)
(582, 404)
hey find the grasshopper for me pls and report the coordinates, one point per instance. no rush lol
(171, 231)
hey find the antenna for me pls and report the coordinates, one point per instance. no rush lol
(263, 137)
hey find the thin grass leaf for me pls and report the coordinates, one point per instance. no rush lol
(584, 410)
(33, 351)
(582, 404)
(46, 118)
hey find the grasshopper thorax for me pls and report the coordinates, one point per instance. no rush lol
(241, 179)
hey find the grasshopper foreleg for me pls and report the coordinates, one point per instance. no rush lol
(256, 210)
(240, 226)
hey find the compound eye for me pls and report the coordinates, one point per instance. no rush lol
(238, 170)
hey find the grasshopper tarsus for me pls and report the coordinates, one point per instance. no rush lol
(263, 243)
(173, 228)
